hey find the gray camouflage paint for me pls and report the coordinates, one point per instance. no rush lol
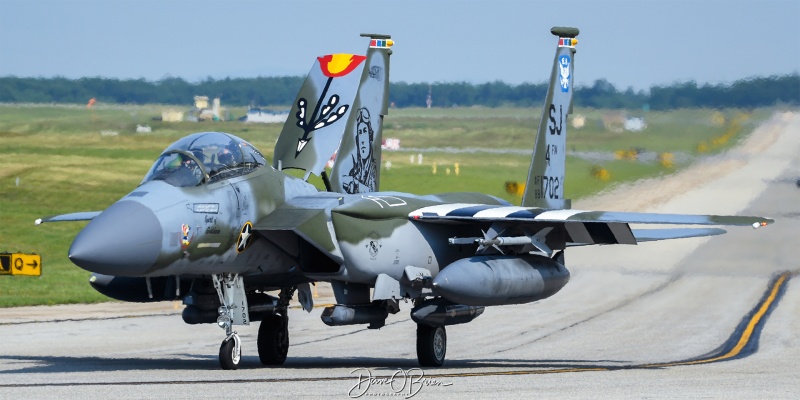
(356, 237)
(210, 245)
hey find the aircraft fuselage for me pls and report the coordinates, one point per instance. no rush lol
(162, 230)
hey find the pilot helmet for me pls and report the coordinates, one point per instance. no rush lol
(199, 155)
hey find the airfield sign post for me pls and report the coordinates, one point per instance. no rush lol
(20, 264)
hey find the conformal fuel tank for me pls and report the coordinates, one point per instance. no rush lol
(499, 280)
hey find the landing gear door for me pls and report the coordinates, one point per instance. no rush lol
(240, 314)
(234, 301)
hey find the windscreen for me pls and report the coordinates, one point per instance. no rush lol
(205, 157)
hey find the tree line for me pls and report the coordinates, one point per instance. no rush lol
(281, 91)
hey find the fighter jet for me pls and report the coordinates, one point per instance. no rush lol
(214, 224)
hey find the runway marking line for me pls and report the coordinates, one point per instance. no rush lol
(746, 334)
(761, 310)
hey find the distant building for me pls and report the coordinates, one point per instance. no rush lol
(200, 102)
(578, 121)
(635, 124)
(264, 116)
(172, 116)
(614, 121)
(390, 144)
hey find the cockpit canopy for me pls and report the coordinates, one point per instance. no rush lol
(203, 158)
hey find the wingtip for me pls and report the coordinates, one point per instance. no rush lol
(764, 222)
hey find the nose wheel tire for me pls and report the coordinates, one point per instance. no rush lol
(431, 345)
(230, 353)
(273, 340)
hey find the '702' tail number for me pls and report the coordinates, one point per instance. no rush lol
(547, 187)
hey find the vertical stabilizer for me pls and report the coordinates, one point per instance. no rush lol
(545, 185)
(358, 162)
(316, 124)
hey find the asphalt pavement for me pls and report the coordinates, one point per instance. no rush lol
(714, 317)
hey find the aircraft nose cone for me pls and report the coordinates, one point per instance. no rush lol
(124, 240)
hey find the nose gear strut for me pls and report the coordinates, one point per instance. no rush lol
(232, 311)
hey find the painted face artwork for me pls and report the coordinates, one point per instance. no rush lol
(364, 145)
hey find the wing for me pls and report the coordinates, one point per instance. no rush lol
(651, 235)
(78, 216)
(578, 227)
(456, 212)
(545, 220)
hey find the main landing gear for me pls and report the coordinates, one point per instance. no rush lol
(431, 345)
(273, 339)
(273, 334)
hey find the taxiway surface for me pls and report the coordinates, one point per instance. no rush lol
(715, 317)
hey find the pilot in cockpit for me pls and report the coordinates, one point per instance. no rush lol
(229, 155)
(199, 155)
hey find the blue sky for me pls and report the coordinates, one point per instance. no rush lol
(630, 43)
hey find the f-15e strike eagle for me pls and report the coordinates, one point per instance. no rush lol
(215, 225)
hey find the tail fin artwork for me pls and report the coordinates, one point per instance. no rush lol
(358, 163)
(340, 92)
(545, 185)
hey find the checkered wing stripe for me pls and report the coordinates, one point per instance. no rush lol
(477, 211)
(484, 212)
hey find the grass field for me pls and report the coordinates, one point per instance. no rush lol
(63, 163)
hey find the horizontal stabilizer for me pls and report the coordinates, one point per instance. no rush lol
(78, 216)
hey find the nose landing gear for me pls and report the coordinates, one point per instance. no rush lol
(230, 352)
(233, 310)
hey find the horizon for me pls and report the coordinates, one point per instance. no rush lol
(543, 82)
(637, 44)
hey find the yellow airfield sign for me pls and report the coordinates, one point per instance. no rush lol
(20, 264)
